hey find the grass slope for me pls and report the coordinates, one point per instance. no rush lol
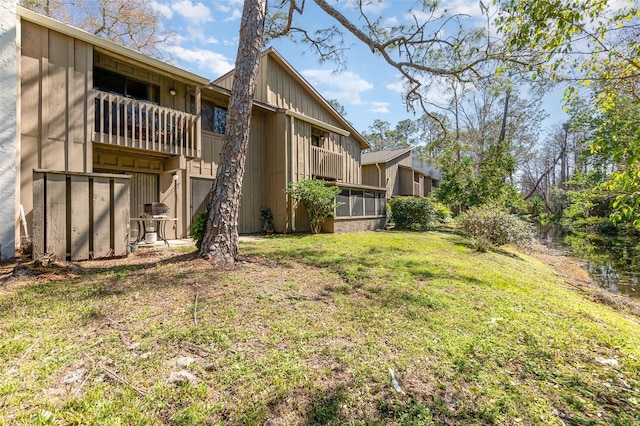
(306, 332)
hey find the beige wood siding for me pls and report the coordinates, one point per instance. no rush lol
(373, 175)
(394, 179)
(405, 180)
(278, 148)
(180, 101)
(207, 165)
(277, 86)
(55, 77)
(256, 182)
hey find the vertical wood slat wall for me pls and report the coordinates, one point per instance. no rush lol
(80, 216)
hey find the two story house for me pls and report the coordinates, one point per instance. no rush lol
(103, 130)
(400, 171)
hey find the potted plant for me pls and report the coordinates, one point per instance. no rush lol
(266, 216)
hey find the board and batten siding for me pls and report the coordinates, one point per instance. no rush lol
(56, 74)
(255, 184)
(373, 175)
(277, 86)
(394, 176)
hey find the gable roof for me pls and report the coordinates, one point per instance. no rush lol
(276, 56)
(384, 156)
(109, 46)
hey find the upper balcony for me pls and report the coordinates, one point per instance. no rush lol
(426, 166)
(126, 122)
(326, 164)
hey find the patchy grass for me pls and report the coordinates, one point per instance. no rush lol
(306, 331)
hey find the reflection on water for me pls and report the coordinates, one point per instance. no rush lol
(614, 261)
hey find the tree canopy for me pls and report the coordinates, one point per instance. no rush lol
(132, 23)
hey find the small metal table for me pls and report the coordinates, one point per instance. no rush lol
(159, 227)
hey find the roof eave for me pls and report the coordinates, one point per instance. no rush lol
(109, 46)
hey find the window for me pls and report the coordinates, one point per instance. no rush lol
(343, 209)
(214, 117)
(108, 81)
(357, 207)
(361, 203)
(382, 203)
(369, 203)
(318, 137)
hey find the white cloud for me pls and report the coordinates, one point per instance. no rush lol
(234, 7)
(224, 8)
(368, 6)
(465, 7)
(205, 59)
(391, 21)
(162, 9)
(235, 15)
(397, 87)
(379, 107)
(468, 8)
(197, 14)
(346, 87)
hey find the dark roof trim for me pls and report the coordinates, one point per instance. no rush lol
(273, 53)
(383, 156)
(109, 46)
(227, 92)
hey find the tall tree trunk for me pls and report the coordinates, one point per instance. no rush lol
(564, 166)
(220, 241)
(505, 114)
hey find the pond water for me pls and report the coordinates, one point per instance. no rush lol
(613, 261)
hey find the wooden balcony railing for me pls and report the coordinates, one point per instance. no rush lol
(326, 164)
(132, 123)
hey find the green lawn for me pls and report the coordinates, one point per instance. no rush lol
(307, 330)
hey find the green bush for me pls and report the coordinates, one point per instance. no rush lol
(412, 213)
(492, 227)
(317, 197)
(443, 213)
(196, 231)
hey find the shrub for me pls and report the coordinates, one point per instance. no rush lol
(266, 216)
(412, 213)
(443, 213)
(196, 231)
(318, 198)
(492, 227)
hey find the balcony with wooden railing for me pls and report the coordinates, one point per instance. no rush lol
(126, 122)
(326, 164)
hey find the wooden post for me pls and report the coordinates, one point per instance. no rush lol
(121, 217)
(38, 224)
(101, 217)
(56, 215)
(79, 217)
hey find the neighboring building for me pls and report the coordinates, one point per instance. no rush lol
(103, 130)
(400, 172)
(297, 134)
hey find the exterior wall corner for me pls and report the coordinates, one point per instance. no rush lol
(8, 131)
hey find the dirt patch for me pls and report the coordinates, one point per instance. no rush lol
(23, 272)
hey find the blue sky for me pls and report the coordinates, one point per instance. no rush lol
(368, 88)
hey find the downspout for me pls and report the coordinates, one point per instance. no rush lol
(287, 175)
